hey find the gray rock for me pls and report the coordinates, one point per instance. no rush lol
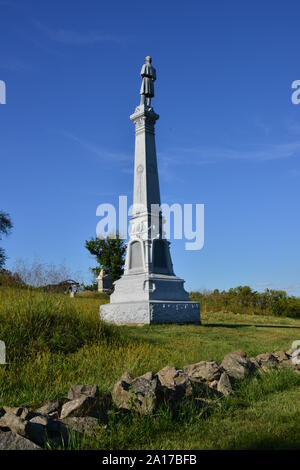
(22, 412)
(203, 370)
(83, 406)
(13, 410)
(51, 408)
(86, 425)
(40, 429)
(213, 384)
(138, 394)
(283, 359)
(40, 419)
(121, 393)
(127, 377)
(289, 352)
(280, 356)
(173, 384)
(145, 388)
(13, 441)
(54, 414)
(267, 361)
(12, 422)
(296, 352)
(33, 431)
(77, 391)
(237, 365)
(286, 364)
(254, 364)
(296, 357)
(172, 378)
(224, 385)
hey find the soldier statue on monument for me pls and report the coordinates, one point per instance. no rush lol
(148, 74)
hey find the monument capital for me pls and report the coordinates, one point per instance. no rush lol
(144, 110)
(144, 118)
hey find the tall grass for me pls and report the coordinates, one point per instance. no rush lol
(33, 322)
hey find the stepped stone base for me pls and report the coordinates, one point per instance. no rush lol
(152, 311)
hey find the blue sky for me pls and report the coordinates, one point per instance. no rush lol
(228, 134)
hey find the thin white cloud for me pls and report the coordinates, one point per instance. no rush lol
(197, 156)
(265, 285)
(289, 288)
(208, 155)
(76, 38)
(97, 150)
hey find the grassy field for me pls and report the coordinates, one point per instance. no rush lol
(54, 341)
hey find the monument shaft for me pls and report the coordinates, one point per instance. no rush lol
(146, 184)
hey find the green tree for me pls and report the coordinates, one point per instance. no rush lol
(5, 228)
(109, 253)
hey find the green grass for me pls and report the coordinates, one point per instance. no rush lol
(54, 341)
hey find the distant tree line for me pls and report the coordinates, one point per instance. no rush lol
(37, 275)
(9, 279)
(244, 300)
(5, 228)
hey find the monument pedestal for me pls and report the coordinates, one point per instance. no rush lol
(149, 291)
(150, 298)
(152, 311)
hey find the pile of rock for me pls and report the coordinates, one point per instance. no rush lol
(201, 381)
(85, 410)
(54, 422)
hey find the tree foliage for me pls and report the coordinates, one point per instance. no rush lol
(243, 299)
(5, 228)
(9, 279)
(109, 253)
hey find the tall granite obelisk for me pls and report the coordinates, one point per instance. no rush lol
(148, 291)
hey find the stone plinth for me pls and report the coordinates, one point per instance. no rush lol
(148, 312)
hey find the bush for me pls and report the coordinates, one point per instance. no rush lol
(8, 279)
(244, 300)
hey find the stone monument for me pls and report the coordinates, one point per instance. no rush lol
(104, 279)
(149, 291)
